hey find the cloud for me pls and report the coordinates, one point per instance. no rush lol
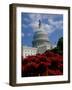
(34, 25)
(25, 19)
(35, 17)
(41, 16)
(45, 27)
(29, 34)
(50, 22)
(22, 34)
(57, 24)
(24, 25)
(49, 28)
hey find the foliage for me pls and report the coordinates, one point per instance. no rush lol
(49, 62)
(59, 48)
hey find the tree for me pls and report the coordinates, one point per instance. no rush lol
(60, 43)
(59, 48)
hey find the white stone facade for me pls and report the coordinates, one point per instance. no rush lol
(41, 49)
(28, 51)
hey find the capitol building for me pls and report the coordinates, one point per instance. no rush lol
(40, 42)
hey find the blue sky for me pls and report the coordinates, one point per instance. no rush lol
(53, 24)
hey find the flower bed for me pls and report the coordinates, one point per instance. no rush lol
(49, 63)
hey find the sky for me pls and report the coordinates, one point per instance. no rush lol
(53, 25)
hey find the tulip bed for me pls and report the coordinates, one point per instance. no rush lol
(47, 64)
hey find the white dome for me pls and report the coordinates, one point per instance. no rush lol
(40, 36)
